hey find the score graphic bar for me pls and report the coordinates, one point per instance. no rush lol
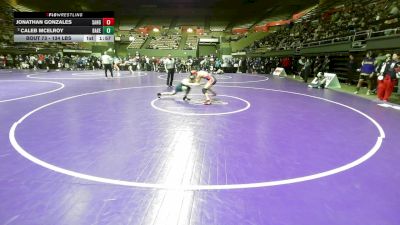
(62, 22)
(63, 38)
(64, 27)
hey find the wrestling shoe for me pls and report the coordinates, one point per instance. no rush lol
(207, 102)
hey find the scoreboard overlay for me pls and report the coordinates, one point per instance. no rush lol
(64, 26)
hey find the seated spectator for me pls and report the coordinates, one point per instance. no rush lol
(318, 82)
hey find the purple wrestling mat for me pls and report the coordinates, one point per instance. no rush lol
(77, 148)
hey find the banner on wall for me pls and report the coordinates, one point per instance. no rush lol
(332, 81)
(76, 51)
(239, 53)
(240, 30)
(279, 71)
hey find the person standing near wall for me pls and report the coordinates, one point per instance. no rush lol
(169, 64)
(367, 72)
(389, 73)
(326, 65)
(287, 64)
(351, 69)
(300, 65)
(306, 71)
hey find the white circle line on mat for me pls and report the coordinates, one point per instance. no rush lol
(75, 77)
(162, 77)
(337, 170)
(204, 114)
(33, 95)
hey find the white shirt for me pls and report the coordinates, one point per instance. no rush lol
(169, 63)
(106, 59)
(383, 67)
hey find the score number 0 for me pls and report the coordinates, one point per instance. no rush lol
(108, 25)
(108, 21)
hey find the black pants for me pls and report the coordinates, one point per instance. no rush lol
(170, 78)
(108, 67)
(305, 74)
(188, 88)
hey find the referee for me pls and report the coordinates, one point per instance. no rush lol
(169, 64)
(107, 61)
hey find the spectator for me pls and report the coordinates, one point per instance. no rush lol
(300, 64)
(366, 73)
(318, 82)
(388, 78)
(351, 69)
(306, 71)
(326, 64)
